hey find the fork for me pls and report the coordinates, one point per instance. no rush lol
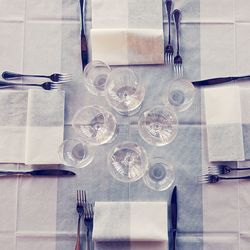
(80, 210)
(56, 77)
(88, 221)
(45, 85)
(169, 50)
(178, 67)
(213, 178)
(223, 169)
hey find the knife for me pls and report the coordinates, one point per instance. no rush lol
(174, 216)
(219, 80)
(84, 44)
(39, 173)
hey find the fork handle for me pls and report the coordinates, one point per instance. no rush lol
(89, 242)
(235, 177)
(78, 239)
(169, 7)
(177, 18)
(12, 75)
(218, 80)
(11, 84)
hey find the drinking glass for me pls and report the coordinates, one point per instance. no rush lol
(160, 175)
(75, 153)
(158, 126)
(123, 91)
(180, 95)
(127, 162)
(95, 125)
(95, 77)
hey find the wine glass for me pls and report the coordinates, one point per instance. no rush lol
(95, 77)
(75, 153)
(160, 175)
(158, 126)
(127, 162)
(123, 91)
(180, 95)
(95, 125)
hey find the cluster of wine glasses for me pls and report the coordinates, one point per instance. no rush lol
(158, 126)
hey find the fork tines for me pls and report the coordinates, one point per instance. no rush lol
(80, 197)
(215, 169)
(169, 52)
(205, 178)
(64, 77)
(178, 67)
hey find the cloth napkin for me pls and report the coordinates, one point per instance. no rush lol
(45, 126)
(127, 32)
(224, 123)
(130, 225)
(31, 126)
(13, 114)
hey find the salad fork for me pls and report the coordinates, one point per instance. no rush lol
(80, 210)
(223, 169)
(178, 67)
(213, 178)
(45, 85)
(169, 50)
(56, 77)
(88, 221)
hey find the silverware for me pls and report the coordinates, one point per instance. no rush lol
(174, 217)
(219, 80)
(39, 173)
(223, 169)
(84, 44)
(212, 178)
(178, 67)
(88, 221)
(56, 77)
(45, 85)
(80, 200)
(169, 50)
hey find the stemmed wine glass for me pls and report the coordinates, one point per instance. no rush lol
(127, 162)
(158, 126)
(95, 125)
(123, 91)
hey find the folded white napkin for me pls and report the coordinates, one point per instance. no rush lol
(224, 123)
(31, 126)
(127, 32)
(13, 113)
(137, 225)
(45, 126)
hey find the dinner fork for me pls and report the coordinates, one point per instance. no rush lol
(88, 221)
(169, 50)
(80, 210)
(56, 77)
(45, 85)
(178, 67)
(223, 169)
(213, 178)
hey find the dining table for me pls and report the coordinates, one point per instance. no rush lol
(44, 37)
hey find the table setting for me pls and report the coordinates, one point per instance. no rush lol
(124, 125)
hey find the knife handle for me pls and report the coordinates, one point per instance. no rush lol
(13, 173)
(219, 80)
(84, 50)
(174, 239)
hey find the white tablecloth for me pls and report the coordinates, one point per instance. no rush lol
(43, 36)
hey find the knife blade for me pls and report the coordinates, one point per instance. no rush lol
(84, 44)
(39, 173)
(174, 216)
